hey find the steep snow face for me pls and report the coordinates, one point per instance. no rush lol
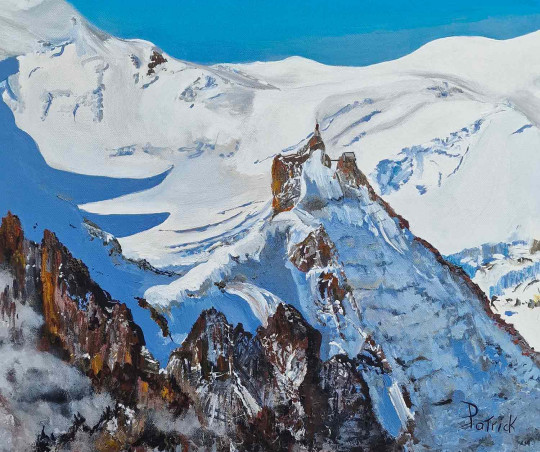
(439, 117)
(365, 276)
(432, 327)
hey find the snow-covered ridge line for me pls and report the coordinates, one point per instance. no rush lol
(218, 121)
(227, 120)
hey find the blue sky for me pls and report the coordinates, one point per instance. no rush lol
(346, 32)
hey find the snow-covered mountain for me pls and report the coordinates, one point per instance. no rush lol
(423, 128)
(132, 117)
(341, 256)
(368, 337)
(223, 199)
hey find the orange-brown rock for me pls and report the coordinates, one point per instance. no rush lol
(286, 172)
(98, 334)
(12, 253)
(157, 317)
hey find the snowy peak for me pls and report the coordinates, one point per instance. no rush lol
(321, 321)
(375, 291)
(287, 182)
(27, 26)
(286, 171)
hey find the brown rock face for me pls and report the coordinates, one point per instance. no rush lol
(286, 172)
(330, 287)
(12, 253)
(316, 250)
(156, 316)
(209, 347)
(272, 392)
(155, 60)
(292, 346)
(85, 327)
(96, 333)
(16, 254)
(348, 172)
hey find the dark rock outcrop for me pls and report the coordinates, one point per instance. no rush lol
(316, 250)
(86, 328)
(272, 391)
(157, 317)
(96, 333)
(12, 248)
(155, 60)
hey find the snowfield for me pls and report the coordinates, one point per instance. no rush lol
(448, 135)
(509, 274)
(94, 106)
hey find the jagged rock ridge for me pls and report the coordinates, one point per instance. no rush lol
(267, 392)
(87, 329)
(276, 378)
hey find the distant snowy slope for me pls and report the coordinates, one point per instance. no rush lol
(31, 25)
(509, 274)
(456, 121)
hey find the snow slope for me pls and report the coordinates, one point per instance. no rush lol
(441, 346)
(509, 274)
(449, 135)
(93, 107)
(32, 25)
